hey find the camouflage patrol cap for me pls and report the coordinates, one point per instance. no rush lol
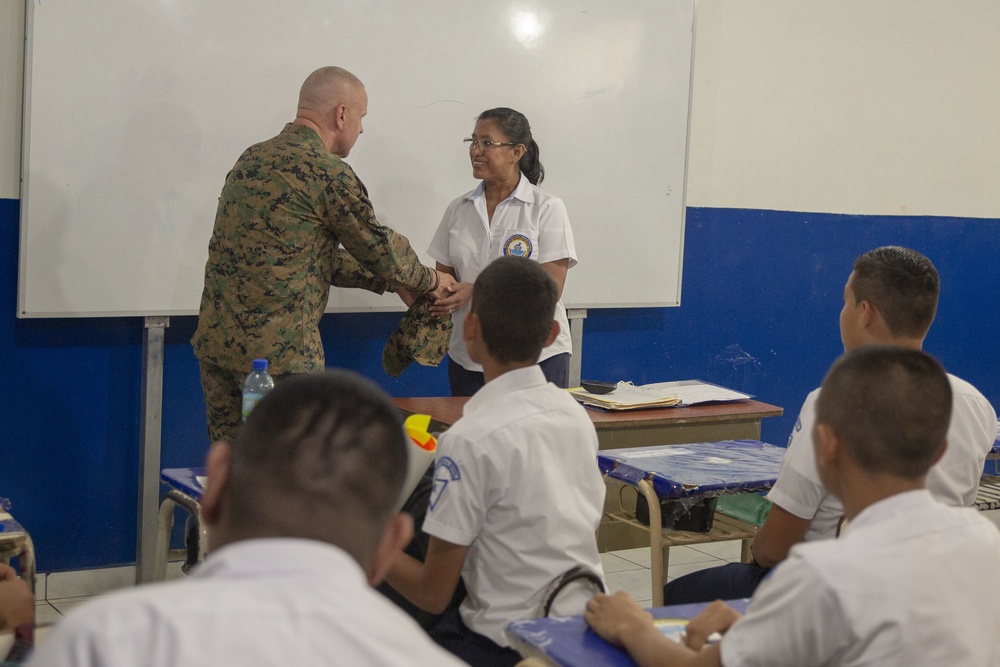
(420, 337)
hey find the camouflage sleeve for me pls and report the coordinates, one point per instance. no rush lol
(379, 250)
(347, 272)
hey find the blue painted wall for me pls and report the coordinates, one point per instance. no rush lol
(761, 295)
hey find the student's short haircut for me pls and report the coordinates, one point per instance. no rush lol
(902, 284)
(890, 406)
(326, 441)
(515, 301)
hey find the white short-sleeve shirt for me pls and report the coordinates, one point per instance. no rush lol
(516, 480)
(255, 602)
(954, 480)
(910, 582)
(530, 223)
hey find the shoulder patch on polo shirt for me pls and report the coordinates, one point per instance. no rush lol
(446, 472)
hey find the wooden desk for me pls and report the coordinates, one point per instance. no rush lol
(689, 472)
(633, 428)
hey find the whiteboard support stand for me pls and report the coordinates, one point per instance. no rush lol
(150, 426)
(576, 317)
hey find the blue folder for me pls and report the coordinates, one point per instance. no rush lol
(567, 641)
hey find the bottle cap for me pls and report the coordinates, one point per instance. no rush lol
(259, 365)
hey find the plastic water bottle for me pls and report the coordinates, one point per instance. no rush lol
(257, 384)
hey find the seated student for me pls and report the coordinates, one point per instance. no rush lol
(518, 495)
(911, 581)
(890, 297)
(300, 509)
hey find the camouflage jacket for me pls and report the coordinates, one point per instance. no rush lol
(287, 206)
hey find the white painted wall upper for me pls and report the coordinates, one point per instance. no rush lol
(847, 106)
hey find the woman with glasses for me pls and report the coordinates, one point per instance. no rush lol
(506, 214)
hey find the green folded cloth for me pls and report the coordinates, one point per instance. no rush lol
(420, 337)
(748, 507)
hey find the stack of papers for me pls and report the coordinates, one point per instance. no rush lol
(627, 396)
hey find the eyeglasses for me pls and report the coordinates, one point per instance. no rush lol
(485, 144)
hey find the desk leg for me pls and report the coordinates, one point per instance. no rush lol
(657, 552)
(165, 526)
(745, 555)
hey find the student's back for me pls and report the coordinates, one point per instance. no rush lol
(910, 582)
(255, 602)
(954, 480)
(530, 493)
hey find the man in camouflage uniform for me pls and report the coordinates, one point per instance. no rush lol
(287, 206)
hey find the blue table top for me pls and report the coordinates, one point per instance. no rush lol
(567, 640)
(184, 480)
(696, 470)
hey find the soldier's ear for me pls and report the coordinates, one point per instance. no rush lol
(339, 116)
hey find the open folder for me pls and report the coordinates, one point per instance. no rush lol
(628, 396)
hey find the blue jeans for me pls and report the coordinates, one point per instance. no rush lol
(728, 582)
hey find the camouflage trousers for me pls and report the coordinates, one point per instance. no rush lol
(223, 391)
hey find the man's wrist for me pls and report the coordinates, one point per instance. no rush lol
(437, 281)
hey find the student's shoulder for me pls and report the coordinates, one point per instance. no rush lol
(802, 430)
(809, 404)
(528, 408)
(963, 390)
(969, 404)
(120, 623)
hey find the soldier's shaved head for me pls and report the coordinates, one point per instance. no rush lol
(329, 87)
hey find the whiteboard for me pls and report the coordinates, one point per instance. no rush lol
(135, 110)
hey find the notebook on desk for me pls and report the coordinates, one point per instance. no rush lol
(681, 393)
(567, 641)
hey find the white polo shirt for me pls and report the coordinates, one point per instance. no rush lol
(256, 602)
(954, 480)
(517, 482)
(530, 223)
(910, 582)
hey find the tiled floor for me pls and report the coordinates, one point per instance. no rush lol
(58, 593)
(627, 570)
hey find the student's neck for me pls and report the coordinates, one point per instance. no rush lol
(909, 343)
(886, 338)
(493, 369)
(864, 490)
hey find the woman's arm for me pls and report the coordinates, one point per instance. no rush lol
(558, 270)
(458, 294)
